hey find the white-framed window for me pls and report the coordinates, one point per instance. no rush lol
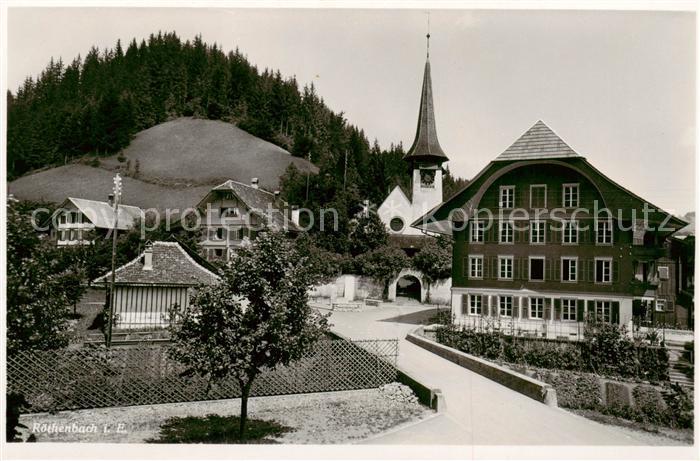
(603, 234)
(63, 235)
(603, 270)
(476, 267)
(506, 197)
(568, 309)
(219, 233)
(505, 305)
(569, 269)
(660, 305)
(536, 308)
(570, 232)
(603, 310)
(64, 218)
(505, 232)
(537, 268)
(478, 231)
(570, 195)
(538, 196)
(537, 232)
(505, 267)
(474, 304)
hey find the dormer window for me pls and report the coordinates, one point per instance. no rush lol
(229, 212)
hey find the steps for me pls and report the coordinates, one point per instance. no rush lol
(677, 363)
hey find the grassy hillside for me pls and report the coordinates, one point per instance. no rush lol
(83, 181)
(178, 162)
(196, 151)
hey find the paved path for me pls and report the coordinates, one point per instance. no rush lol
(479, 411)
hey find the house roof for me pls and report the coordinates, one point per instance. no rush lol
(426, 145)
(258, 201)
(171, 265)
(616, 196)
(101, 214)
(539, 142)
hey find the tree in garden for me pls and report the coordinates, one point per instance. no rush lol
(367, 233)
(383, 264)
(434, 261)
(37, 298)
(256, 318)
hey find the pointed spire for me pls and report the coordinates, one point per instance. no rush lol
(426, 146)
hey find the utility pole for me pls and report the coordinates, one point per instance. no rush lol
(115, 207)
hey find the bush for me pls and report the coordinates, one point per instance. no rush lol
(606, 350)
(679, 406)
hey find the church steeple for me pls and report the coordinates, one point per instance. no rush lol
(426, 147)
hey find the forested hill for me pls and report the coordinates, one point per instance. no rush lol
(93, 106)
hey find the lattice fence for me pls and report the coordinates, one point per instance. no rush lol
(144, 375)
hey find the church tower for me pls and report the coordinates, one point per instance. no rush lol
(425, 157)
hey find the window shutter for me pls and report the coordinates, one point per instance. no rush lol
(484, 305)
(494, 306)
(485, 268)
(556, 275)
(526, 232)
(547, 309)
(615, 271)
(591, 309)
(465, 267)
(494, 267)
(590, 264)
(557, 309)
(548, 269)
(615, 312)
(580, 310)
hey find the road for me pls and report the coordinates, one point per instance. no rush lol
(479, 411)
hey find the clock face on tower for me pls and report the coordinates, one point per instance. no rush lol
(427, 178)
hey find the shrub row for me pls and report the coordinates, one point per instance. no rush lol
(605, 350)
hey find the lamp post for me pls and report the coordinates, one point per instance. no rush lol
(117, 191)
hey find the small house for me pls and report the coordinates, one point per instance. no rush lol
(163, 276)
(79, 221)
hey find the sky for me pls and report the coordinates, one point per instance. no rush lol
(617, 86)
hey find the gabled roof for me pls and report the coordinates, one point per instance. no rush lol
(259, 201)
(101, 214)
(426, 145)
(537, 143)
(616, 196)
(172, 265)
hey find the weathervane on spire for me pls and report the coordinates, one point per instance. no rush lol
(428, 36)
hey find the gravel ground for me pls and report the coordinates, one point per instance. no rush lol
(323, 418)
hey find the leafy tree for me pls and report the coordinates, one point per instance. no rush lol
(434, 261)
(37, 317)
(367, 233)
(257, 317)
(383, 264)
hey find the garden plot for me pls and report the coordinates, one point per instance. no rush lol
(320, 418)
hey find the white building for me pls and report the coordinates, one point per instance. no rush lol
(425, 158)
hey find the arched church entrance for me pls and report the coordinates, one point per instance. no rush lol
(409, 286)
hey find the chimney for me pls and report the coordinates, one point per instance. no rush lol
(254, 183)
(148, 257)
(295, 215)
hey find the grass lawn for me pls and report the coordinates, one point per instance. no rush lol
(217, 429)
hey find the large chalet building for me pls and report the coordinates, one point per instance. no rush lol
(234, 213)
(535, 254)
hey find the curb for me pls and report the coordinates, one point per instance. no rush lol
(536, 390)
